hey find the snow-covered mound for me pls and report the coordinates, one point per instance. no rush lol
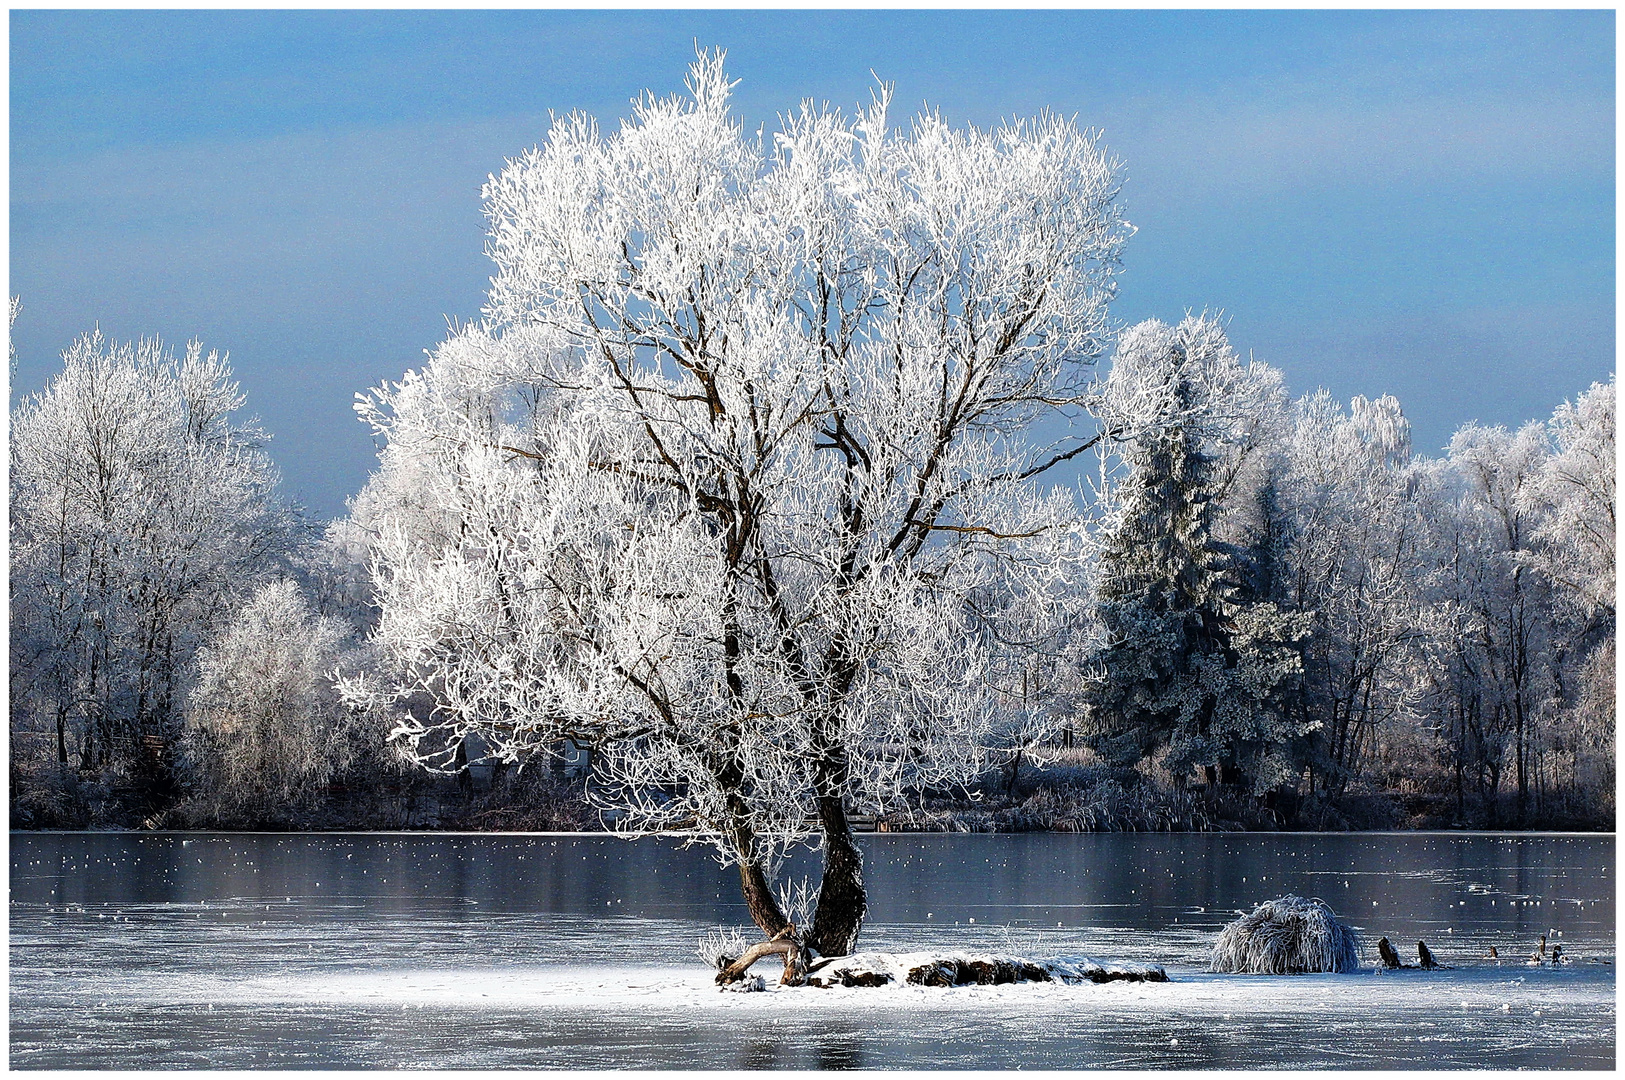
(1289, 936)
(967, 969)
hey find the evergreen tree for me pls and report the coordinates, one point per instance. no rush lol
(1191, 662)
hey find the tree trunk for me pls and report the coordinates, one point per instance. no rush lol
(1522, 761)
(1014, 775)
(842, 902)
(759, 900)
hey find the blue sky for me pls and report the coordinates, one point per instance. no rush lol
(1416, 203)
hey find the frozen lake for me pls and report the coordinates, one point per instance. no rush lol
(190, 950)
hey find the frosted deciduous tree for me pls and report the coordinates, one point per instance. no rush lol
(1458, 605)
(1188, 663)
(139, 510)
(1577, 487)
(1352, 500)
(1574, 494)
(264, 728)
(1499, 606)
(732, 482)
(333, 572)
(13, 309)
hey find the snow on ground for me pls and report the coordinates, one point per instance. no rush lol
(618, 989)
(479, 1015)
(628, 1017)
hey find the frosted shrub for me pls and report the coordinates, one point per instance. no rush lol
(722, 946)
(1289, 936)
(264, 731)
(1102, 802)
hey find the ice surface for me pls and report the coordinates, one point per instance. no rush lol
(251, 969)
(480, 1016)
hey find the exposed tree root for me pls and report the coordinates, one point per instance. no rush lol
(786, 943)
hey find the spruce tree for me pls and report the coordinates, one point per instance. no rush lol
(1191, 660)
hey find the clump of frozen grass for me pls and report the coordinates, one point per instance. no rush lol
(1289, 936)
(721, 947)
(1019, 940)
(798, 900)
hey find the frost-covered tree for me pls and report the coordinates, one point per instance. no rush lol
(139, 511)
(1574, 495)
(732, 482)
(1351, 558)
(333, 571)
(1523, 592)
(1190, 665)
(13, 309)
(1499, 606)
(265, 730)
(1575, 550)
(1455, 603)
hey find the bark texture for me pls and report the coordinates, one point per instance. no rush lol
(842, 901)
(759, 900)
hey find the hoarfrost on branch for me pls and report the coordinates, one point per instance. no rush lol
(731, 482)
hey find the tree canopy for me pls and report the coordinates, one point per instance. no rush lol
(733, 481)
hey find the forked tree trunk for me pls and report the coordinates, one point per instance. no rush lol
(842, 902)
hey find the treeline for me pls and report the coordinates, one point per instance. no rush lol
(176, 626)
(1300, 615)
(1284, 616)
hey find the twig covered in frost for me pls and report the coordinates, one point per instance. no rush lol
(1289, 936)
(721, 947)
(798, 900)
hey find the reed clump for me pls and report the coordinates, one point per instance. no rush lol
(1288, 936)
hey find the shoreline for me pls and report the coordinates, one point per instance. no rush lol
(700, 837)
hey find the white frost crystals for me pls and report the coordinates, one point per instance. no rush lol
(722, 946)
(730, 484)
(1288, 936)
(141, 511)
(1192, 660)
(263, 731)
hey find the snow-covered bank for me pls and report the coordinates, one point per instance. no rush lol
(636, 989)
(628, 1017)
